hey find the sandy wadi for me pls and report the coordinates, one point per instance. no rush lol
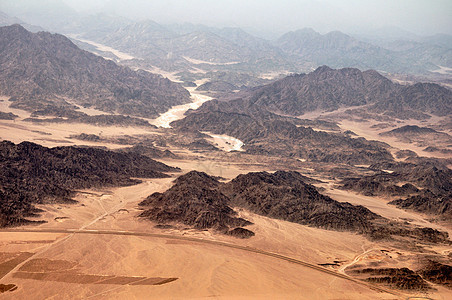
(177, 112)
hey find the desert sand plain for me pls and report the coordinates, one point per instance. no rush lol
(99, 248)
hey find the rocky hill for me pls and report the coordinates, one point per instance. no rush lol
(217, 86)
(45, 71)
(328, 89)
(437, 272)
(420, 97)
(425, 186)
(267, 133)
(193, 200)
(202, 201)
(286, 196)
(30, 174)
(423, 137)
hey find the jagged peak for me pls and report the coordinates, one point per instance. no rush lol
(322, 69)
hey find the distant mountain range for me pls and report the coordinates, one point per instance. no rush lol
(47, 72)
(182, 47)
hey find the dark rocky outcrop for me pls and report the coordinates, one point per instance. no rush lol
(240, 232)
(217, 86)
(7, 116)
(438, 205)
(425, 184)
(30, 174)
(285, 195)
(437, 272)
(149, 151)
(193, 200)
(202, 201)
(400, 278)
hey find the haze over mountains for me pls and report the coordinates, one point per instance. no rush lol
(187, 46)
(189, 161)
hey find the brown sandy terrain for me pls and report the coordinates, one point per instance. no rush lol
(68, 265)
(107, 264)
(364, 129)
(371, 129)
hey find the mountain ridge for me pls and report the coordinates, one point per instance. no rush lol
(43, 69)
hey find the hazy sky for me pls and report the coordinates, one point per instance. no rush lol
(419, 16)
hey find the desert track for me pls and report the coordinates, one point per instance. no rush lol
(217, 243)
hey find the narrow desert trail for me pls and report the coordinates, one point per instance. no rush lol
(340, 274)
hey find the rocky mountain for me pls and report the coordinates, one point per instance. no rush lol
(328, 89)
(202, 201)
(425, 186)
(339, 50)
(187, 46)
(43, 70)
(423, 52)
(420, 97)
(31, 174)
(323, 89)
(390, 50)
(286, 196)
(194, 200)
(6, 20)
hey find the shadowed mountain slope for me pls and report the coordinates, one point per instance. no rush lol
(30, 174)
(45, 70)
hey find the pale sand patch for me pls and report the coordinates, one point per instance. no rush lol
(56, 134)
(225, 142)
(156, 70)
(363, 129)
(273, 75)
(443, 70)
(103, 48)
(5, 107)
(203, 270)
(177, 112)
(199, 62)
